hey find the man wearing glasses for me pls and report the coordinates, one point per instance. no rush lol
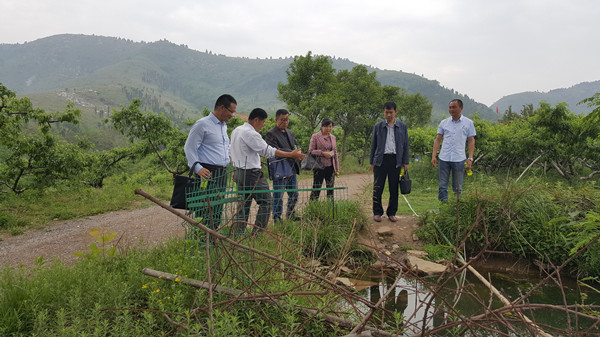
(207, 149)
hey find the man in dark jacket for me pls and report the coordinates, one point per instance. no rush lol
(283, 170)
(389, 154)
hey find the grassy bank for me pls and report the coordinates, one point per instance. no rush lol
(108, 295)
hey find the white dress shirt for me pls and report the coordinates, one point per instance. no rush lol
(247, 146)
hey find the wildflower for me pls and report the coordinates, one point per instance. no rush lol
(177, 279)
(144, 286)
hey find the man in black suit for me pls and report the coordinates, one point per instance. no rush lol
(283, 170)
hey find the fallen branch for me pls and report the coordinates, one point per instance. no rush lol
(268, 299)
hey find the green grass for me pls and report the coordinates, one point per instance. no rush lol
(103, 295)
(35, 208)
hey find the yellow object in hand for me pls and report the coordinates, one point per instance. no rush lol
(469, 172)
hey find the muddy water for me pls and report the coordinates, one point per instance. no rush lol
(410, 298)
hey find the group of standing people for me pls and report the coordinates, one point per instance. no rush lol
(209, 151)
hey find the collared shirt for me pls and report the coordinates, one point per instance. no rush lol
(390, 141)
(247, 146)
(455, 135)
(207, 143)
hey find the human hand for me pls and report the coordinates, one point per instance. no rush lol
(204, 173)
(297, 154)
(434, 161)
(372, 166)
(328, 154)
(468, 164)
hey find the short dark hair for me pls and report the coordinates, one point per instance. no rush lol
(460, 103)
(389, 105)
(281, 112)
(326, 122)
(225, 100)
(258, 113)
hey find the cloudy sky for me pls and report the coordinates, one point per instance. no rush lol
(483, 48)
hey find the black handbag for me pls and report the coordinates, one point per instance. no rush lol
(310, 163)
(181, 185)
(405, 183)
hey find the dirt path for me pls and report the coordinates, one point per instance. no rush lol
(150, 227)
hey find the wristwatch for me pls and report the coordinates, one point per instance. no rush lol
(471, 159)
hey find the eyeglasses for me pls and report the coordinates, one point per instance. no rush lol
(233, 112)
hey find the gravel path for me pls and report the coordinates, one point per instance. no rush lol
(142, 227)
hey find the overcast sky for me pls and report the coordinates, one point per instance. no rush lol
(483, 48)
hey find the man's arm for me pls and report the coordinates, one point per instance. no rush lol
(406, 150)
(471, 148)
(192, 143)
(436, 147)
(296, 154)
(373, 146)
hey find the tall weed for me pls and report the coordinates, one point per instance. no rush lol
(539, 222)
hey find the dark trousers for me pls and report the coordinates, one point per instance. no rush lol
(288, 183)
(250, 181)
(211, 216)
(389, 171)
(327, 174)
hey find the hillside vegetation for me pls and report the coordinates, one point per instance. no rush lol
(572, 96)
(173, 77)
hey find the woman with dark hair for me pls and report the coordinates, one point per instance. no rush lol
(322, 145)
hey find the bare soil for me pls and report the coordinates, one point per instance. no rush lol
(153, 225)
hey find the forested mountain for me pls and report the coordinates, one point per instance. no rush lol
(105, 72)
(572, 96)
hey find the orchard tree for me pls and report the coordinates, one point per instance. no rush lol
(153, 133)
(591, 134)
(309, 81)
(34, 158)
(357, 104)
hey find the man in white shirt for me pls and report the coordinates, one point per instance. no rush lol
(247, 146)
(453, 134)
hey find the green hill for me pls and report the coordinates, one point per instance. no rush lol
(572, 96)
(101, 73)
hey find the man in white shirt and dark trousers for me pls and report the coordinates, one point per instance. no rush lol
(247, 146)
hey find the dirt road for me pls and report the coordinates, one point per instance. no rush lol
(142, 227)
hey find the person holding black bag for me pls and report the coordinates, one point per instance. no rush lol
(207, 151)
(282, 171)
(389, 154)
(322, 145)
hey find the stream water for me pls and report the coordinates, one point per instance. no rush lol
(411, 296)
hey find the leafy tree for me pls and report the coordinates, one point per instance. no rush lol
(413, 109)
(591, 134)
(34, 158)
(101, 165)
(310, 80)
(152, 133)
(421, 139)
(357, 104)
